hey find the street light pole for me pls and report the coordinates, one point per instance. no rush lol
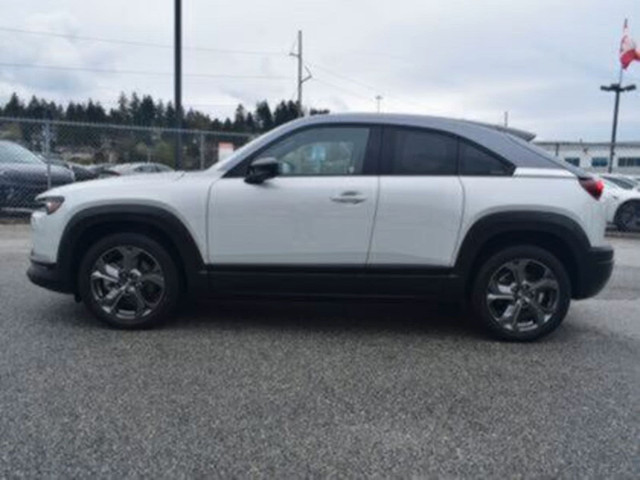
(178, 81)
(378, 102)
(617, 88)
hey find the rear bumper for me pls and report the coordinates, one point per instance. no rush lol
(48, 275)
(594, 272)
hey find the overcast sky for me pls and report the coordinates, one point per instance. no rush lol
(541, 60)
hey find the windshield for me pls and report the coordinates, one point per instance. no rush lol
(231, 159)
(625, 183)
(13, 153)
(610, 184)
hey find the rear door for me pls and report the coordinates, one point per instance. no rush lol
(421, 199)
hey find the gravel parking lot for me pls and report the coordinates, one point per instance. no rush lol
(283, 389)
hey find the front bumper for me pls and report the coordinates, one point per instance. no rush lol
(48, 275)
(594, 272)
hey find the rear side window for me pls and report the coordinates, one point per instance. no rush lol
(477, 162)
(419, 152)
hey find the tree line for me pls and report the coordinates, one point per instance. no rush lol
(144, 110)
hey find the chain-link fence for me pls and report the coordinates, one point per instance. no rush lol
(36, 155)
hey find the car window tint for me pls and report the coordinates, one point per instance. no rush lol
(321, 151)
(474, 161)
(418, 152)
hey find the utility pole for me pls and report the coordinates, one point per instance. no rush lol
(617, 88)
(506, 119)
(178, 81)
(301, 67)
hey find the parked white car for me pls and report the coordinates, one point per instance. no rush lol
(623, 206)
(358, 205)
(623, 181)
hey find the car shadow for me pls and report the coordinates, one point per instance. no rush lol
(330, 315)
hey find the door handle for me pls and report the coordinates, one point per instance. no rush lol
(350, 197)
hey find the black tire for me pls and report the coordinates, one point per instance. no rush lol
(153, 277)
(539, 310)
(627, 216)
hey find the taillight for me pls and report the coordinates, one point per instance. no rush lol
(593, 186)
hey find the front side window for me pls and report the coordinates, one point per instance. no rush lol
(321, 151)
(419, 152)
(477, 162)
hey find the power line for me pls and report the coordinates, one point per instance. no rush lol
(361, 84)
(138, 43)
(139, 72)
(342, 77)
(338, 87)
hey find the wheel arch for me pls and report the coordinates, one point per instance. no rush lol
(91, 224)
(557, 233)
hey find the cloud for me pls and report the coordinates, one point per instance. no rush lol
(541, 60)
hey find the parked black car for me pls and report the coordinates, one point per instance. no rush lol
(23, 175)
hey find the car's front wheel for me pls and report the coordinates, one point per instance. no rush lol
(522, 293)
(129, 280)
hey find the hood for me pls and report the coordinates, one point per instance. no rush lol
(621, 193)
(35, 174)
(135, 182)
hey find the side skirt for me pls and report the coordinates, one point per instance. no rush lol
(335, 281)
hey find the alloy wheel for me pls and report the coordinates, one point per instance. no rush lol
(629, 216)
(127, 282)
(522, 295)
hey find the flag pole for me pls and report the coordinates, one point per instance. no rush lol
(617, 88)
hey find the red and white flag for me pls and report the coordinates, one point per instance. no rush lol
(628, 50)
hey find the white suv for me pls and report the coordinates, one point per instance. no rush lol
(357, 205)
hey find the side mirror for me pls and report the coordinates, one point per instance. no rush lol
(262, 169)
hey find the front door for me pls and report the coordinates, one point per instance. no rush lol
(318, 211)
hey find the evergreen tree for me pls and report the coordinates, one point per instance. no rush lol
(134, 108)
(14, 107)
(264, 116)
(146, 111)
(250, 123)
(240, 121)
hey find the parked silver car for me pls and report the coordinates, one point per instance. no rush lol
(134, 169)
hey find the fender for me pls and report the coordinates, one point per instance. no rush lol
(479, 236)
(167, 223)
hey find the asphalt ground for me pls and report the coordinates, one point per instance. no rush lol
(327, 389)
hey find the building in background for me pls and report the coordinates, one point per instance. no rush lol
(594, 156)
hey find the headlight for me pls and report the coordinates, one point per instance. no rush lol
(52, 204)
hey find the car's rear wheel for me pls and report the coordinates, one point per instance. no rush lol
(628, 216)
(521, 293)
(129, 280)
